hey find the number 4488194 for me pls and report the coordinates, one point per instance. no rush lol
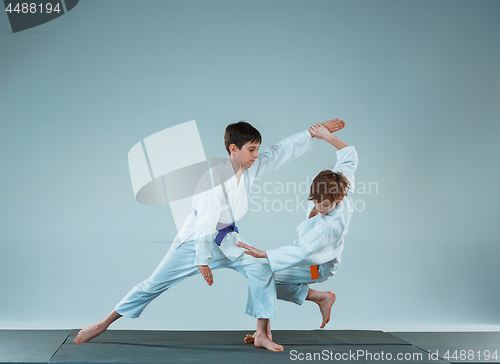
(469, 355)
(32, 8)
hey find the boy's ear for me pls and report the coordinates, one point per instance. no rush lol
(233, 148)
(339, 201)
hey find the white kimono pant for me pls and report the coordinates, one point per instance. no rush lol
(178, 264)
(292, 283)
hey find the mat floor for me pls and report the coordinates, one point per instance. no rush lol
(361, 346)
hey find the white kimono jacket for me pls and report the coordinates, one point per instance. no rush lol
(321, 238)
(210, 202)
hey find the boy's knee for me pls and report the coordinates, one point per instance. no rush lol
(148, 286)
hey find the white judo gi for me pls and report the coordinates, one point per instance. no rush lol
(223, 202)
(321, 241)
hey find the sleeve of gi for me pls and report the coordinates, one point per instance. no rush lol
(281, 153)
(347, 162)
(318, 246)
(208, 214)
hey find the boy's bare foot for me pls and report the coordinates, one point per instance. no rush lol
(262, 341)
(89, 333)
(325, 307)
(249, 339)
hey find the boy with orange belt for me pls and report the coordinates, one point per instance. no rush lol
(316, 255)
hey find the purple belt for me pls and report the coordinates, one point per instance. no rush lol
(222, 232)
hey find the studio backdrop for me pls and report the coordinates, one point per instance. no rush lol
(417, 83)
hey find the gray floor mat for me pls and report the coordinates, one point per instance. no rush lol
(123, 346)
(35, 346)
(475, 345)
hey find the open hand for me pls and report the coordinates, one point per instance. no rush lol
(319, 131)
(250, 250)
(206, 272)
(334, 125)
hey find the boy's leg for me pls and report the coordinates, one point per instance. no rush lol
(262, 340)
(292, 286)
(250, 339)
(97, 329)
(261, 299)
(177, 265)
(325, 301)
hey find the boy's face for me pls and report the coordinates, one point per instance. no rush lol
(325, 206)
(247, 155)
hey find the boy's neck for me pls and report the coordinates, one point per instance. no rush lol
(238, 169)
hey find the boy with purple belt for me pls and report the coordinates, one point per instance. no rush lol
(222, 200)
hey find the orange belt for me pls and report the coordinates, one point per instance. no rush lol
(314, 272)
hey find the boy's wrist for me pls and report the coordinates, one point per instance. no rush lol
(330, 137)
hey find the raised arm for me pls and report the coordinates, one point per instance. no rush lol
(320, 131)
(288, 149)
(281, 153)
(347, 157)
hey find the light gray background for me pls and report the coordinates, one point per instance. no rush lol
(418, 83)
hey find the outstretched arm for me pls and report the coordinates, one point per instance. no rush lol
(319, 131)
(347, 158)
(288, 149)
(316, 247)
(250, 250)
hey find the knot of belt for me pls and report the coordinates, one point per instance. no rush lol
(222, 232)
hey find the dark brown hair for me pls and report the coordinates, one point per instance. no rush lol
(329, 185)
(241, 133)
